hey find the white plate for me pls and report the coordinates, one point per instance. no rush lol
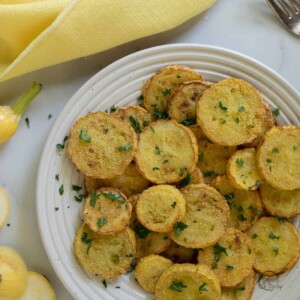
(120, 84)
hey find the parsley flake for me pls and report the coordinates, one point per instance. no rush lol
(62, 146)
(27, 122)
(157, 150)
(178, 227)
(201, 157)
(76, 188)
(177, 286)
(275, 150)
(135, 124)
(240, 162)
(49, 117)
(229, 268)
(61, 190)
(237, 120)
(104, 283)
(273, 236)
(276, 250)
(114, 196)
(83, 135)
(229, 196)
(57, 177)
(87, 241)
(241, 109)
(210, 174)
(276, 112)
(166, 92)
(174, 204)
(101, 222)
(269, 160)
(141, 231)
(125, 148)
(93, 198)
(140, 98)
(188, 121)
(202, 288)
(186, 180)
(224, 108)
(254, 236)
(155, 168)
(182, 171)
(79, 198)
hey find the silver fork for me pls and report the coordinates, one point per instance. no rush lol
(288, 12)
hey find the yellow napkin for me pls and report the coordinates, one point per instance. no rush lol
(38, 33)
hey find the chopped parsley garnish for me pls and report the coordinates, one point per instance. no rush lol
(116, 258)
(281, 220)
(254, 236)
(145, 123)
(229, 268)
(56, 208)
(214, 265)
(210, 174)
(105, 130)
(129, 255)
(87, 241)
(27, 122)
(140, 98)
(104, 283)
(114, 196)
(276, 250)
(218, 250)
(49, 117)
(57, 177)
(237, 120)
(157, 150)
(201, 157)
(229, 196)
(125, 148)
(160, 114)
(273, 236)
(255, 211)
(275, 150)
(113, 109)
(186, 180)
(178, 227)
(241, 288)
(101, 222)
(241, 108)
(131, 268)
(79, 198)
(224, 108)
(202, 288)
(240, 162)
(255, 185)
(269, 160)
(83, 135)
(188, 121)
(178, 76)
(177, 286)
(93, 198)
(166, 92)
(135, 124)
(62, 146)
(76, 188)
(222, 121)
(174, 204)
(182, 171)
(276, 112)
(155, 168)
(242, 218)
(141, 231)
(61, 190)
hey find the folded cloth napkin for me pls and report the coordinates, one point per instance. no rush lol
(38, 33)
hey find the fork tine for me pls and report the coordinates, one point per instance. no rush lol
(286, 7)
(295, 4)
(278, 11)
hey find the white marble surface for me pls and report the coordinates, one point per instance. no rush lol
(247, 26)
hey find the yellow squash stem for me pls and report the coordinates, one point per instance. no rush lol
(22, 103)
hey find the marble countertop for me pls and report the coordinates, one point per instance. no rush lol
(246, 26)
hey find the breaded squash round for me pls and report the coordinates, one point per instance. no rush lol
(231, 258)
(167, 151)
(206, 218)
(231, 112)
(242, 170)
(101, 145)
(179, 254)
(137, 117)
(245, 206)
(160, 86)
(184, 99)
(187, 281)
(148, 242)
(107, 211)
(105, 255)
(149, 269)
(278, 158)
(276, 245)
(242, 291)
(278, 203)
(130, 182)
(160, 207)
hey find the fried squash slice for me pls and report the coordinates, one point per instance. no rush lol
(184, 99)
(160, 207)
(149, 269)
(278, 158)
(101, 145)
(136, 116)
(242, 170)
(231, 258)
(276, 245)
(187, 281)
(131, 182)
(206, 218)
(167, 151)
(242, 291)
(285, 204)
(107, 211)
(231, 112)
(158, 89)
(105, 255)
(245, 206)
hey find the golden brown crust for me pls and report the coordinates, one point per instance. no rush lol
(230, 112)
(105, 255)
(184, 99)
(160, 207)
(101, 145)
(167, 151)
(278, 158)
(206, 217)
(149, 269)
(187, 281)
(231, 258)
(107, 211)
(276, 245)
(160, 86)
